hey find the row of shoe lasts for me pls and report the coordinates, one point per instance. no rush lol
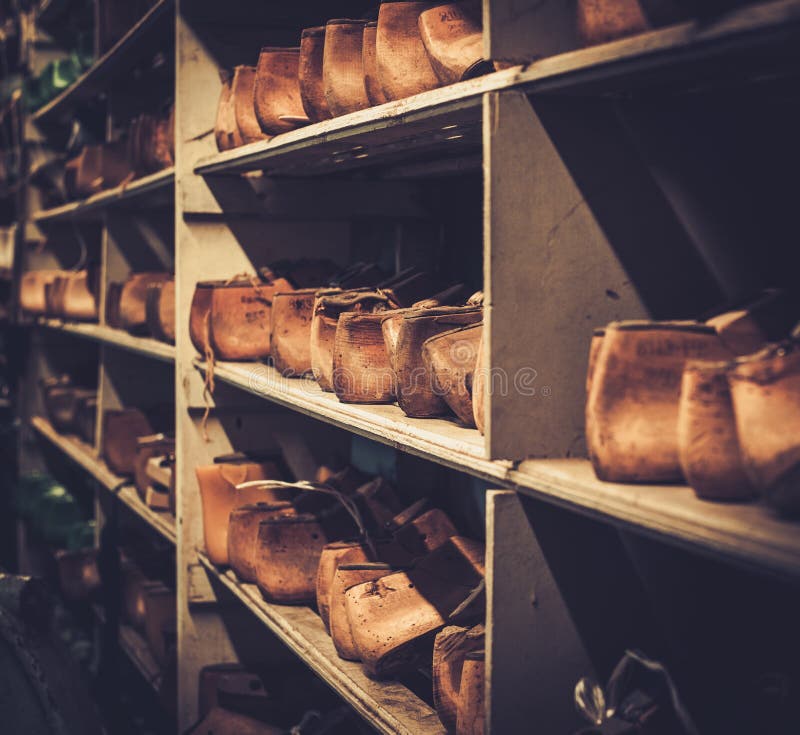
(71, 409)
(71, 295)
(349, 65)
(234, 700)
(148, 148)
(399, 577)
(366, 338)
(132, 448)
(144, 305)
(716, 404)
(352, 64)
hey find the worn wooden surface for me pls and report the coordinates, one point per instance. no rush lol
(118, 337)
(535, 654)
(154, 189)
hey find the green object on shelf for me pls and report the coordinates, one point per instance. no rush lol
(81, 536)
(56, 513)
(58, 75)
(31, 487)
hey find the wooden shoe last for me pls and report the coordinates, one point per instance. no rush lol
(78, 575)
(765, 388)
(133, 300)
(290, 545)
(342, 69)
(351, 573)
(451, 357)
(226, 132)
(369, 62)
(160, 310)
(32, 290)
(233, 319)
(147, 447)
(121, 429)
(243, 524)
(708, 444)
(404, 67)
(244, 114)
(312, 86)
(291, 317)
(453, 37)
(361, 369)
(450, 649)
(471, 718)
(328, 307)
(391, 617)
(416, 391)
(632, 409)
(219, 496)
(278, 104)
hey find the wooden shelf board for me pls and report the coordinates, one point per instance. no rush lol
(86, 457)
(135, 647)
(747, 533)
(137, 650)
(387, 706)
(681, 55)
(115, 337)
(438, 440)
(152, 187)
(427, 124)
(146, 36)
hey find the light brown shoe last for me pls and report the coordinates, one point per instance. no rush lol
(632, 408)
(708, 445)
(766, 399)
(225, 123)
(289, 548)
(471, 719)
(369, 61)
(600, 21)
(219, 496)
(276, 95)
(329, 305)
(291, 331)
(312, 88)
(121, 429)
(404, 68)
(342, 69)
(361, 369)
(243, 524)
(133, 300)
(242, 91)
(393, 617)
(451, 357)
(453, 37)
(351, 573)
(326, 570)
(449, 651)
(416, 392)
